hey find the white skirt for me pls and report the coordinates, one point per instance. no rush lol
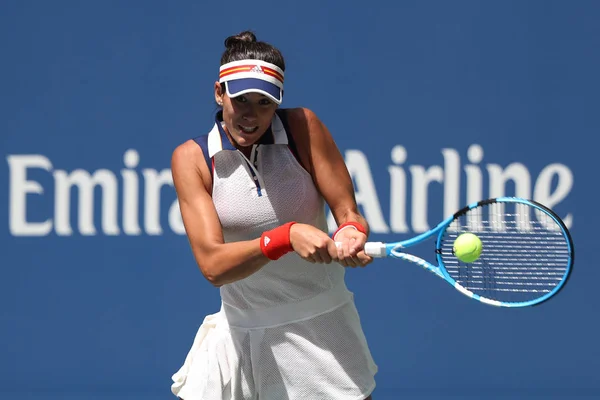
(323, 357)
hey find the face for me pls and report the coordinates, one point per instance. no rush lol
(247, 117)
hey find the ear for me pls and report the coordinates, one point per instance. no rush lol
(219, 94)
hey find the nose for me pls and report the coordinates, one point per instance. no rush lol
(250, 114)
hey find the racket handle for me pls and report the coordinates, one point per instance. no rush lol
(372, 249)
(375, 249)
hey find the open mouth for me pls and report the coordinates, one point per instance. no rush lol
(248, 129)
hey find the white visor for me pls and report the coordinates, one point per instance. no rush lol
(252, 76)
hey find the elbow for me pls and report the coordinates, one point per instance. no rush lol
(214, 277)
(214, 280)
(210, 271)
(212, 267)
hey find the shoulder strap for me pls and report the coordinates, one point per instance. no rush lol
(282, 114)
(202, 141)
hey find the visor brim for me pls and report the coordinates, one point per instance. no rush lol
(238, 87)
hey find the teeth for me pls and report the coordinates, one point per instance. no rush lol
(249, 129)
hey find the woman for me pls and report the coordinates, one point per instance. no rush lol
(252, 194)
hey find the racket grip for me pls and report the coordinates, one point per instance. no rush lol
(372, 249)
(375, 249)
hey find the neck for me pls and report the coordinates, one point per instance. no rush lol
(246, 150)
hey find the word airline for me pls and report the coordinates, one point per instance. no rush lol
(137, 201)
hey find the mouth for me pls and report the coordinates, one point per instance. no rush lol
(247, 129)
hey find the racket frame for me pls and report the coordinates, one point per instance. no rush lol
(381, 249)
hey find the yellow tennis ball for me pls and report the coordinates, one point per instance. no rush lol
(467, 247)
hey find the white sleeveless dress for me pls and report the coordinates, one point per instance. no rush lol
(291, 330)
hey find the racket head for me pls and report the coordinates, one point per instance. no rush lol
(527, 255)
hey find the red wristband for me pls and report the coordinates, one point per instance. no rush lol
(346, 225)
(276, 242)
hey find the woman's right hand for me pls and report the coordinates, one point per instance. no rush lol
(312, 244)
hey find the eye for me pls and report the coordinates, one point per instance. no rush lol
(241, 99)
(265, 102)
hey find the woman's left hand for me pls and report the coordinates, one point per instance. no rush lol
(350, 248)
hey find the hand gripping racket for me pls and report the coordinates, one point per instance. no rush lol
(527, 253)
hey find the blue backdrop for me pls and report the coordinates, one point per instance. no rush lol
(99, 293)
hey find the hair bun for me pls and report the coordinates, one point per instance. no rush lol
(240, 38)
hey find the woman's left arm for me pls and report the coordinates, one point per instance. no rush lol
(321, 157)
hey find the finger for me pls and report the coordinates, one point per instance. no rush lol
(308, 256)
(350, 261)
(350, 253)
(363, 259)
(325, 256)
(326, 250)
(339, 246)
(342, 249)
(316, 256)
(342, 252)
(310, 259)
(356, 247)
(356, 262)
(345, 255)
(351, 247)
(332, 250)
(357, 241)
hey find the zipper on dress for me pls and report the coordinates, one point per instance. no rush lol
(253, 165)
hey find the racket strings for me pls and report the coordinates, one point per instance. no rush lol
(525, 252)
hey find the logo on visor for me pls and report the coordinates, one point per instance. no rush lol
(258, 69)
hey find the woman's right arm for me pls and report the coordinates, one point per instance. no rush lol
(220, 262)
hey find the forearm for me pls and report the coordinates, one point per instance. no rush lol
(229, 262)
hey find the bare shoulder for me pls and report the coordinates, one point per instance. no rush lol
(188, 157)
(186, 152)
(307, 128)
(301, 112)
(310, 135)
(302, 120)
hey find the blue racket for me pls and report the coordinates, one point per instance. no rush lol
(527, 254)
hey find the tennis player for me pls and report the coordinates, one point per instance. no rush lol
(252, 194)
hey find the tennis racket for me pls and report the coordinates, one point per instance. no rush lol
(527, 255)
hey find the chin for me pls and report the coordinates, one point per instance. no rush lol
(245, 141)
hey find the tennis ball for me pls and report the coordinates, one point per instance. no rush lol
(467, 247)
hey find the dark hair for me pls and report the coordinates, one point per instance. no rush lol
(244, 46)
